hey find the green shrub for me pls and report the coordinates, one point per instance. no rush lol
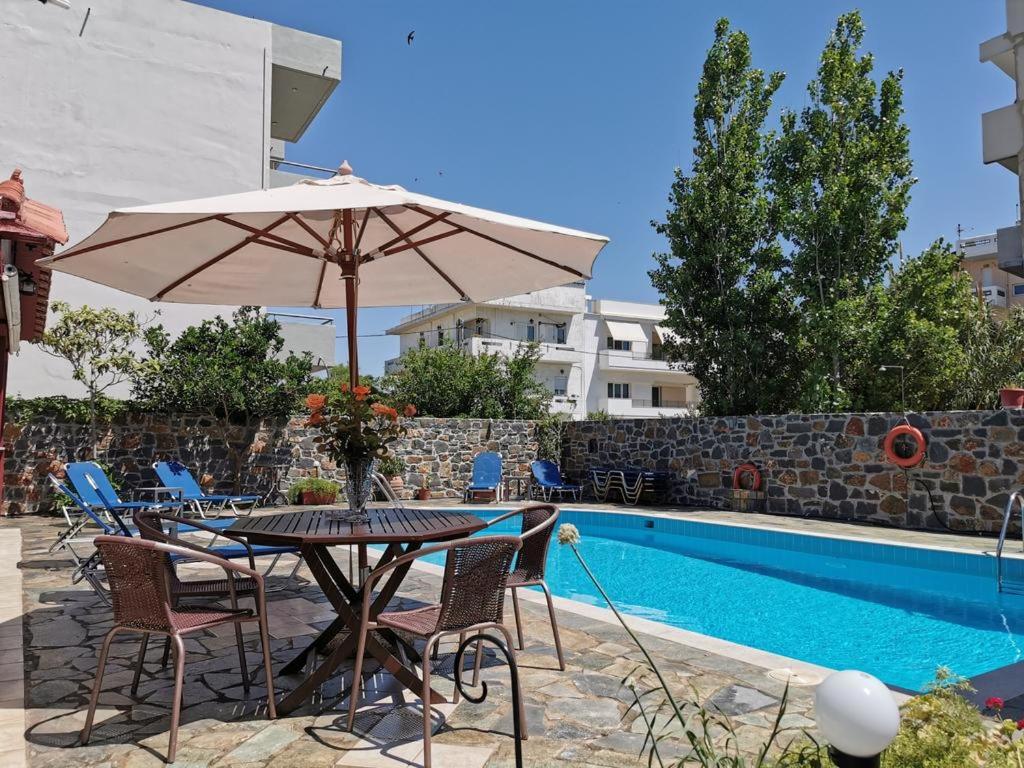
(73, 410)
(391, 466)
(314, 484)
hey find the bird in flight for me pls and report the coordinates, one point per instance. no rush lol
(409, 37)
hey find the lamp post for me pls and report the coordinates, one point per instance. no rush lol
(858, 717)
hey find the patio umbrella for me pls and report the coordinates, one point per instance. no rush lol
(327, 243)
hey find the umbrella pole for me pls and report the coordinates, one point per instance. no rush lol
(351, 298)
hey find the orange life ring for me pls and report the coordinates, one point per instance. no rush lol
(903, 452)
(746, 469)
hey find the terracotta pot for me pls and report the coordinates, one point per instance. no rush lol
(318, 498)
(423, 494)
(396, 482)
(1011, 397)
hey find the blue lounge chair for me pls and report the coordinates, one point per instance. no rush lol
(182, 484)
(486, 476)
(548, 481)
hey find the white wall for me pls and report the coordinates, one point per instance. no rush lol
(157, 100)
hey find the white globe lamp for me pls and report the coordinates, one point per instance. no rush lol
(858, 717)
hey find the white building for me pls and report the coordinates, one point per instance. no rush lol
(596, 355)
(1003, 131)
(118, 103)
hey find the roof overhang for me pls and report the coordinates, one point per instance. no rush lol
(306, 70)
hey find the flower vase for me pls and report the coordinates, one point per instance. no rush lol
(359, 484)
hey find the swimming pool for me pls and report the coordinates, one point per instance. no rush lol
(896, 612)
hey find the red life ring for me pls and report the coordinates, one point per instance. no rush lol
(746, 469)
(905, 446)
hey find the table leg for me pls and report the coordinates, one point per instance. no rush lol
(326, 573)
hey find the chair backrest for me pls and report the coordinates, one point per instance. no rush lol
(487, 469)
(546, 473)
(538, 525)
(92, 484)
(137, 571)
(475, 575)
(174, 474)
(120, 529)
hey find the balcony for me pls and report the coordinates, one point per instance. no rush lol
(550, 352)
(1001, 136)
(637, 408)
(627, 360)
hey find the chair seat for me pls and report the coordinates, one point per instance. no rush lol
(418, 621)
(521, 577)
(213, 587)
(188, 620)
(481, 487)
(217, 498)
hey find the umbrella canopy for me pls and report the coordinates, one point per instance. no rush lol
(338, 242)
(274, 248)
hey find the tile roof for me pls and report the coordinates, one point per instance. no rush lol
(26, 218)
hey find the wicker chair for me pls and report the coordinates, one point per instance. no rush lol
(140, 576)
(538, 525)
(472, 600)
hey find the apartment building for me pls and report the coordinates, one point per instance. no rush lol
(115, 103)
(595, 355)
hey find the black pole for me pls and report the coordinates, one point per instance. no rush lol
(517, 726)
(843, 760)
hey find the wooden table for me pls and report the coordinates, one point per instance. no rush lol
(315, 531)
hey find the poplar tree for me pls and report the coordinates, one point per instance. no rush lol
(840, 174)
(721, 280)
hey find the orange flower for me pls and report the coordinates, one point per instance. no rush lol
(315, 402)
(314, 418)
(392, 414)
(410, 411)
(344, 388)
(379, 408)
(361, 391)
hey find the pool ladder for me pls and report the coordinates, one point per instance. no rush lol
(1016, 499)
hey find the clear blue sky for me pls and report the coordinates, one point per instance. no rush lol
(577, 111)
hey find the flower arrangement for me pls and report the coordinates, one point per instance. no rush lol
(355, 424)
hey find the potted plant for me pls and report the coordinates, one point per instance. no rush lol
(423, 494)
(313, 490)
(356, 427)
(392, 467)
(1012, 395)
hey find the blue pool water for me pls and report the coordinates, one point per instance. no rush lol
(896, 612)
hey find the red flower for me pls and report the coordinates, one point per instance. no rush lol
(361, 392)
(315, 402)
(994, 702)
(410, 411)
(1020, 724)
(314, 419)
(344, 388)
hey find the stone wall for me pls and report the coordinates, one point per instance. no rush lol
(825, 465)
(438, 453)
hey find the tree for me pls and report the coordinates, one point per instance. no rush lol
(721, 281)
(99, 345)
(841, 176)
(336, 376)
(445, 382)
(230, 372)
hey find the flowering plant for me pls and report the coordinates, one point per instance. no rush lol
(355, 423)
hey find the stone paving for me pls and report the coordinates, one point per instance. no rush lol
(576, 717)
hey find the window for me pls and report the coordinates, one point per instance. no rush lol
(1018, 290)
(618, 391)
(624, 346)
(986, 276)
(560, 385)
(531, 332)
(656, 397)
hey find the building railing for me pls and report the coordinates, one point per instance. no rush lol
(637, 403)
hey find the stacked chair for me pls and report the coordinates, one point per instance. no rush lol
(181, 485)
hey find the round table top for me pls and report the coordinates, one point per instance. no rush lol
(386, 525)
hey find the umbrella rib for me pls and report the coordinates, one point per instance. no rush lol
(302, 223)
(503, 244)
(266, 233)
(418, 228)
(129, 238)
(424, 241)
(362, 229)
(320, 284)
(220, 256)
(462, 294)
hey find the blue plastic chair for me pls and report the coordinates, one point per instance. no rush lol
(175, 475)
(549, 481)
(486, 476)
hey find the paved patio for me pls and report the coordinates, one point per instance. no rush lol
(576, 717)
